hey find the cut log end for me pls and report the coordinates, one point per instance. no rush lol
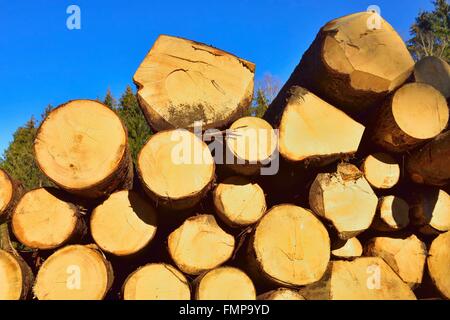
(406, 256)
(392, 214)
(438, 263)
(44, 219)
(365, 278)
(156, 281)
(182, 81)
(430, 210)
(124, 224)
(381, 170)
(176, 168)
(12, 279)
(313, 130)
(252, 142)
(74, 273)
(199, 244)
(344, 198)
(82, 147)
(225, 283)
(238, 202)
(414, 114)
(6, 191)
(281, 294)
(290, 246)
(347, 249)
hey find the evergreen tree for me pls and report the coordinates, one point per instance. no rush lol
(130, 113)
(431, 32)
(109, 100)
(18, 159)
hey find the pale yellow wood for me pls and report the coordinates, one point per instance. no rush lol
(156, 281)
(199, 244)
(239, 202)
(6, 191)
(381, 170)
(43, 220)
(182, 81)
(406, 256)
(176, 167)
(392, 214)
(11, 279)
(124, 224)
(430, 211)
(73, 273)
(225, 283)
(291, 246)
(365, 278)
(310, 128)
(439, 263)
(434, 71)
(347, 249)
(281, 294)
(344, 198)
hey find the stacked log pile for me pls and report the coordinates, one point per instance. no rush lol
(356, 208)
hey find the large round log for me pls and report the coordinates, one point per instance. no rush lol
(429, 164)
(289, 247)
(312, 130)
(182, 81)
(74, 273)
(82, 147)
(415, 113)
(381, 170)
(176, 168)
(351, 66)
(345, 199)
(199, 244)
(239, 202)
(438, 263)
(10, 193)
(225, 283)
(365, 278)
(45, 219)
(124, 224)
(156, 281)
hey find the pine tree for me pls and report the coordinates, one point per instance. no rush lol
(130, 113)
(18, 159)
(109, 100)
(431, 32)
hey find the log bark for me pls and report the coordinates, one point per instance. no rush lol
(251, 142)
(438, 263)
(429, 164)
(313, 131)
(45, 219)
(412, 115)
(124, 224)
(430, 211)
(289, 247)
(351, 66)
(82, 146)
(406, 256)
(281, 294)
(435, 72)
(365, 278)
(10, 193)
(392, 214)
(345, 199)
(381, 170)
(16, 277)
(239, 202)
(176, 169)
(156, 281)
(224, 283)
(74, 272)
(181, 81)
(199, 244)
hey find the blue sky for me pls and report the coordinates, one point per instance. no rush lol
(43, 62)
